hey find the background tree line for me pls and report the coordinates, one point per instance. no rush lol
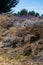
(30, 13)
(25, 12)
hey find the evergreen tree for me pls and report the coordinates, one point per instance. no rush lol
(6, 5)
(23, 12)
(31, 13)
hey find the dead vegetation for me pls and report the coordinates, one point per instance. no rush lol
(20, 41)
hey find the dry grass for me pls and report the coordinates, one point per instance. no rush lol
(5, 59)
(23, 35)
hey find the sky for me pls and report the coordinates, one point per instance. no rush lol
(36, 5)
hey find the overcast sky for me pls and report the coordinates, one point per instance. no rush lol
(36, 5)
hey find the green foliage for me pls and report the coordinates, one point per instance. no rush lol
(6, 5)
(18, 13)
(23, 12)
(37, 14)
(31, 13)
